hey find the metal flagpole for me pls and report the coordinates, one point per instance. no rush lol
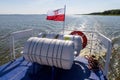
(64, 18)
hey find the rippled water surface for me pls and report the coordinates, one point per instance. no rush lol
(107, 25)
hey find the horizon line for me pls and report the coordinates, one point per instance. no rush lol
(46, 13)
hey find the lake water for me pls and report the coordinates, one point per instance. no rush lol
(107, 25)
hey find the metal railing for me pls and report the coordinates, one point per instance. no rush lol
(102, 46)
(17, 40)
(98, 44)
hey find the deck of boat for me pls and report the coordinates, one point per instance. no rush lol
(24, 70)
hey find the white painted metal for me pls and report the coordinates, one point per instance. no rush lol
(48, 50)
(13, 48)
(22, 33)
(77, 42)
(76, 39)
(50, 35)
(17, 35)
(101, 39)
(108, 45)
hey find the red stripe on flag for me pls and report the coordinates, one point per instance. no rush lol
(56, 17)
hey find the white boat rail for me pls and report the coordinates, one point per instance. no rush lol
(98, 44)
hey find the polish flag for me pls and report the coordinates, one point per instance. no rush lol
(56, 15)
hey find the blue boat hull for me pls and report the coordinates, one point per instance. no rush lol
(21, 69)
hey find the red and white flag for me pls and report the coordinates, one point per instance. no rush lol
(56, 15)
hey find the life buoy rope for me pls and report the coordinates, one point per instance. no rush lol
(82, 35)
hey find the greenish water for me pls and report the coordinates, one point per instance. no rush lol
(107, 25)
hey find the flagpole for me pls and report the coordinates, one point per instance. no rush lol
(64, 18)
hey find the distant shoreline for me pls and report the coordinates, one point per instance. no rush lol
(96, 15)
(99, 15)
(114, 12)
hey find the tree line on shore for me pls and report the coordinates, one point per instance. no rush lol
(108, 12)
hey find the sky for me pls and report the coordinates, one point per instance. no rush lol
(42, 6)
